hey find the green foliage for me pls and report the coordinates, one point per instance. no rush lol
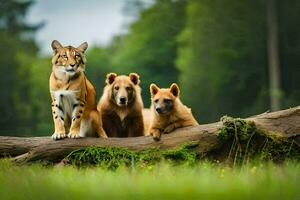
(216, 50)
(246, 142)
(12, 17)
(237, 128)
(97, 66)
(107, 157)
(249, 142)
(150, 47)
(115, 157)
(221, 52)
(17, 51)
(289, 44)
(205, 180)
(185, 154)
(40, 101)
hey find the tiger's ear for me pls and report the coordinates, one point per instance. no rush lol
(135, 78)
(55, 46)
(154, 89)
(83, 47)
(110, 78)
(174, 89)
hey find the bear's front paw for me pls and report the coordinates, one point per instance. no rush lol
(58, 135)
(155, 134)
(169, 129)
(73, 135)
(102, 134)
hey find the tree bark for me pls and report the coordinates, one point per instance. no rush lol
(284, 123)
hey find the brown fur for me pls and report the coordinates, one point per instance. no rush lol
(73, 96)
(122, 120)
(177, 115)
(147, 120)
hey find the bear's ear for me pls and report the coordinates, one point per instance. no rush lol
(135, 78)
(110, 78)
(83, 47)
(153, 89)
(55, 46)
(174, 89)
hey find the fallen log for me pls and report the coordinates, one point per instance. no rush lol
(284, 124)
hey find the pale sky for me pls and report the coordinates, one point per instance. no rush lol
(75, 21)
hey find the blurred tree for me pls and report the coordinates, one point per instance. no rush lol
(289, 51)
(273, 55)
(150, 47)
(133, 7)
(40, 101)
(12, 17)
(217, 50)
(16, 49)
(222, 58)
(98, 65)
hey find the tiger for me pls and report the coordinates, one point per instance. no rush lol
(73, 96)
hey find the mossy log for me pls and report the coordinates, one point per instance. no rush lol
(208, 139)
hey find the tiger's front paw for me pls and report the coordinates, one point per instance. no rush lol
(58, 135)
(74, 135)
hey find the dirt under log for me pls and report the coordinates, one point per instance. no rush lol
(282, 124)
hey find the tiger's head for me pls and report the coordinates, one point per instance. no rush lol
(68, 60)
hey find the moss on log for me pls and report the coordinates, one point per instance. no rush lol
(269, 136)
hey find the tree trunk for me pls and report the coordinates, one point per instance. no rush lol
(284, 124)
(273, 55)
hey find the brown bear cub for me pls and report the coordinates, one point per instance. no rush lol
(168, 113)
(121, 106)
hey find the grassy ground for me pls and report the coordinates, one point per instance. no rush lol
(202, 181)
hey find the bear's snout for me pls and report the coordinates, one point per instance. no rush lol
(123, 100)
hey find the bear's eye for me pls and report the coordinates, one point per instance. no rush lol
(128, 88)
(116, 87)
(156, 100)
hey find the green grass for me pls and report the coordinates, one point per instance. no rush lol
(204, 180)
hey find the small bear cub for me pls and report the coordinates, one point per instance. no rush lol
(121, 106)
(168, 112)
